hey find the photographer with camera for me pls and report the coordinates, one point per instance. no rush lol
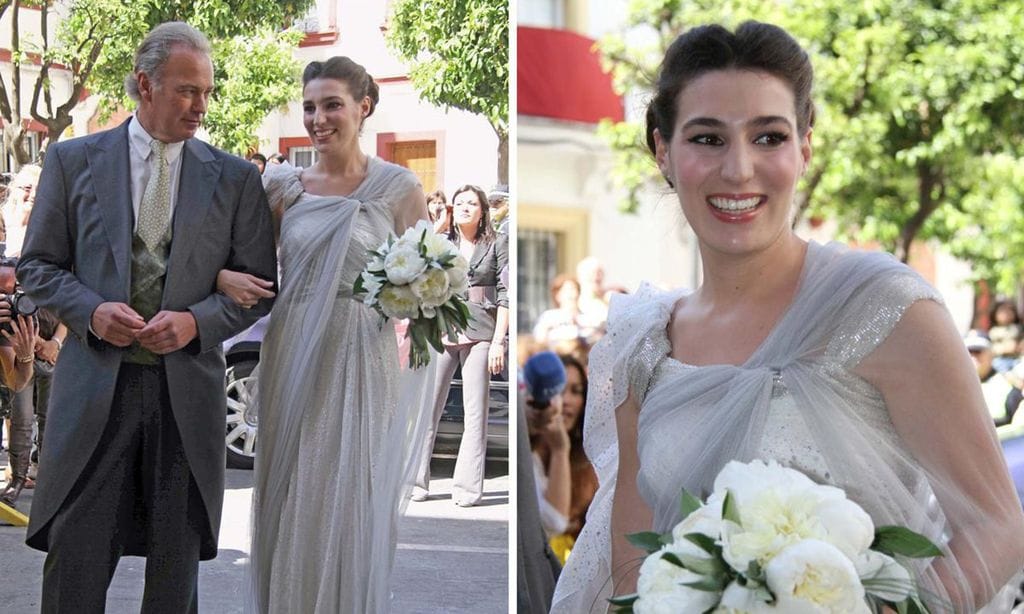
(545, 379)
(17, 355)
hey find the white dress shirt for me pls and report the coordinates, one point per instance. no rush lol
(141, 163)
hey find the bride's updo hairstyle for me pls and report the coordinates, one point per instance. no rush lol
(340, 68)
(754, 46)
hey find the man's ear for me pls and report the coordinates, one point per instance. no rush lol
(145, 86)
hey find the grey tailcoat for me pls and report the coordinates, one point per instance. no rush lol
(77, 254)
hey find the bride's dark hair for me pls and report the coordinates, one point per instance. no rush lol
(754, 46)
(360, 83)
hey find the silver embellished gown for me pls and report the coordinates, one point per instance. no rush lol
(797, 400)
(338, 418)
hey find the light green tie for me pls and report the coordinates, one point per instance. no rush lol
(155, 210)
(149, 250)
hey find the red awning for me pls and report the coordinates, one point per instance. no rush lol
(560, 76)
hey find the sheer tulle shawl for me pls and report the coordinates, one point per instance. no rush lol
(797, 400)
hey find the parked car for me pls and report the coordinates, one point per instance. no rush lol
(449, 429)
(242, 354)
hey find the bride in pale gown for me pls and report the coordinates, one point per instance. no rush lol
(842, 364)
(339, 421)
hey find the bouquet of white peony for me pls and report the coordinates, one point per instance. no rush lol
(769, 539)
(420, 276)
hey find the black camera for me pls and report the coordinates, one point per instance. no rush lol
(10, 291)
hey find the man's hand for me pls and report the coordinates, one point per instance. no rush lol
(116, 323)
(168, 332)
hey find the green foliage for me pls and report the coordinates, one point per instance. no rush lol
(920, 121)
(96, 41)
(458, 53)
(254, 75)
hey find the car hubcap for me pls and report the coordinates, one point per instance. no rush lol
(242, 418)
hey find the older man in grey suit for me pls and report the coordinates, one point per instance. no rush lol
(129, 231)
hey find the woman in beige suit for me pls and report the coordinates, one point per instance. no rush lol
(480, 350)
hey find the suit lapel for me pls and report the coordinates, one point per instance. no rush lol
(109, 165)
(199, 174)
(479, 251)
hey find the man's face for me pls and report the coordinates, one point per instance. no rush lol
(172, 106)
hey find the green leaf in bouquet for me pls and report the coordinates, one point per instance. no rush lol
(357, 288)
(755, 572)
(910, 605)
(704, 542)
(704, 566)
(688, 504)
(453, 312)
(624, 601)
(671, 557)
(730, 511)
(648, 541)
(893, 540)
(708, 584)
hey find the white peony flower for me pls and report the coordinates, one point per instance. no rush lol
(779, 507)
(372, 284)
(376, 262)
(661, 588)
(399, 302)
(738, 599)
(403, 264)
(458, 276)
(707, 520)
(883, 576)
(431, 288)
(815, 577)
(437, 245)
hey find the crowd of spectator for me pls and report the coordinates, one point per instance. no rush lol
(997, 356)
(565, 479)
(24, 412)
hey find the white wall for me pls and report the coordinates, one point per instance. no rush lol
(568, 166)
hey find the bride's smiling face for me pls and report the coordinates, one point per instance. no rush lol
(734, 157)
(331, 115)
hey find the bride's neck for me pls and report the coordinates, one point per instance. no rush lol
(730, 279)
(351, 163)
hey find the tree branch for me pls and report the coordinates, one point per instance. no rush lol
(928, 178)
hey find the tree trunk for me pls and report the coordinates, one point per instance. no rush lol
(928, 178)
(503, 158)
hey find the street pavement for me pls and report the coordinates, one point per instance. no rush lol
(449, 559)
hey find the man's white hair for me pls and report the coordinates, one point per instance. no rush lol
(152, 54)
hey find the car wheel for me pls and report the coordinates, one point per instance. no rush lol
(241, 432)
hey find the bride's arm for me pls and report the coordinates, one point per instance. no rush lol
(934, 398)
(629, 512)
(412, 210)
